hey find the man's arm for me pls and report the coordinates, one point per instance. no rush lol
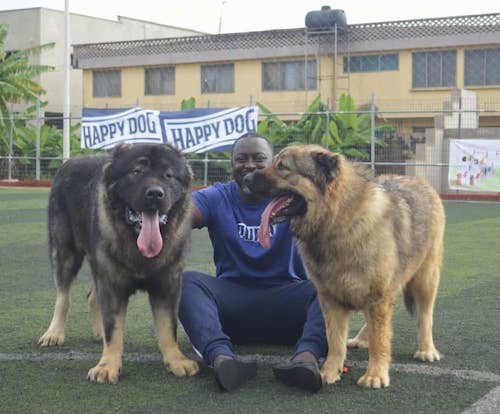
(197, 219)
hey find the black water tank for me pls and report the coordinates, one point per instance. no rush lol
(325, 19)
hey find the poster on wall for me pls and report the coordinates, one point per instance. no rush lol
(195, 131)
(474, 165)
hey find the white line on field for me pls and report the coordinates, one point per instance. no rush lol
(489, 404)
(263, 359)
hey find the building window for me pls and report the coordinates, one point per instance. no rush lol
(481, 67)
(371, 63)
(434, 69)
(217, 78)
(107, 83)
(289, 75)
(159, 81)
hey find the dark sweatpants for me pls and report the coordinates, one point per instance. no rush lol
(217, 313)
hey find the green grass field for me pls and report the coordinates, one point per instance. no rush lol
(34, 380)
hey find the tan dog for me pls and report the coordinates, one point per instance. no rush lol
(362, 240)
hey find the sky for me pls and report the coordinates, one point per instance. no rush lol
(232, 16)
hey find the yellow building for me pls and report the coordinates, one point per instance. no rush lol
(408, 68)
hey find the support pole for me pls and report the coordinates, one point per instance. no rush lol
(66, 116)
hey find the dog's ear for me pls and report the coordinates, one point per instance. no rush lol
(112, 154)
(117, 149)
(328, 164)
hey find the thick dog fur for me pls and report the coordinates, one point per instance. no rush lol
(128, 213)
(362, 241)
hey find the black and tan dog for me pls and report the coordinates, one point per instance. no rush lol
(362, 240)
(128, 213)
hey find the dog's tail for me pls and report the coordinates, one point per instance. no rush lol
(409, 301)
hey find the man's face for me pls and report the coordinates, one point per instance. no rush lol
(250, 154)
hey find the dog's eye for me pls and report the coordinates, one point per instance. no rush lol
(136, 171)
(168, 174)
(280, 166)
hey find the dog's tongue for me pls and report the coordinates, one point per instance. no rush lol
(149, 241)
(263, 236)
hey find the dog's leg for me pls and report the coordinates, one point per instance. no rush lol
(337, 326)
(165, 322)
(378, 319)
(65, 266)
(54, 335)
(95, 313)
(360, 340)
(114, 312)
(424, 289)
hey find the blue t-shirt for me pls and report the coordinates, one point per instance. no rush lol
(233, 226)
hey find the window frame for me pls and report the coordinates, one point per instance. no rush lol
(486, 72)
(361, 63)
(214, 81)
(435, 68)
(116, 94)
(276, 72)
(165, 83)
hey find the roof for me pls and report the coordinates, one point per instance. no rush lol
(369, 37)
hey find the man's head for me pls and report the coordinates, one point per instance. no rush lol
(250, 152)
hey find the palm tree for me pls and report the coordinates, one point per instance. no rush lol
(16, 78)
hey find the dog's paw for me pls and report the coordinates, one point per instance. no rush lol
(97, 337)
(104, 373)
(329, 376)
(429, 355)
(357, 343)
(374, 381)
(51, 338)
(183, 367)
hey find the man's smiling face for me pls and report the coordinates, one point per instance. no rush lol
(250, 154)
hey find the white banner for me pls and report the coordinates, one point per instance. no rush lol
(206, 133)
(474, 165)
(133, 125)
(198, 130)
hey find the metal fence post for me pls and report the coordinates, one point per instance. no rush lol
(205, 169)
(11, 134)
(372, 134)
(327, 126)
(37, 149)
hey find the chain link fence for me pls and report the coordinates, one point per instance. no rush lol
(405, 142)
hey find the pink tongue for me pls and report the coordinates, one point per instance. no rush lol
(275, 205)
(149, 241)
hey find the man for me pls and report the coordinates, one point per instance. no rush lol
(258, 295)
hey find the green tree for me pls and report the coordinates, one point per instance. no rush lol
(346, 130)
(50, 143)
(309, 129)
(51, 147)
(16, 80)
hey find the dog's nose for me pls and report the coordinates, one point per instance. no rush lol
(155, 192)
(247, 179)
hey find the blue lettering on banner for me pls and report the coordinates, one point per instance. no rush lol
(177, 138)
(189, 138)
(240, 124)
(142, 124)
